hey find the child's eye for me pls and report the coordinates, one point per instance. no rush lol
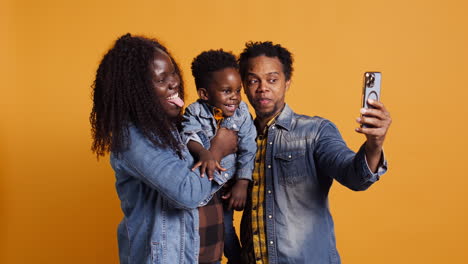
(227, 91)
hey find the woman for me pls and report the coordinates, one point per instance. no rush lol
(137, 98)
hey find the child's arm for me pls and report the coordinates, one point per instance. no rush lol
(245, 161)
(206, 160)
(247, 146)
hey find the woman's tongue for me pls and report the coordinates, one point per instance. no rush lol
(177, 101)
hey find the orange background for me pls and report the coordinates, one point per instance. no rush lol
(59, 205)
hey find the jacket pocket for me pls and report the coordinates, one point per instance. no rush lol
(156, 253)
(291, 167)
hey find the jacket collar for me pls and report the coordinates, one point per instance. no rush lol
(206, 111)
(284, 120)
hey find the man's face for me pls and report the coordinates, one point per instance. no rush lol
(265, 85)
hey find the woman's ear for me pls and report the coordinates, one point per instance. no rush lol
(202, 93)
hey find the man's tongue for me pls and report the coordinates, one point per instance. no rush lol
(177, 101)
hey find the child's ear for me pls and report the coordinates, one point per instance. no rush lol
(202, 93)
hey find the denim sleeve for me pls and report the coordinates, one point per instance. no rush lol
(191, 124)
(247, 146)
(162, 170)
(335, 160)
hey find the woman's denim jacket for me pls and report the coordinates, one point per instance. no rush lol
(159, 197)
(303, 156)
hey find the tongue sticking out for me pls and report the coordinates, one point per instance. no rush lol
(177, 101)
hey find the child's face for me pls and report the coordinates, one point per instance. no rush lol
(224, 91)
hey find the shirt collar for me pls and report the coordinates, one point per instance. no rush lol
(284, 119)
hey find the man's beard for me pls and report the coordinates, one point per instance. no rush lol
(269, 114)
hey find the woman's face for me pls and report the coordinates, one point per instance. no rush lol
(166, 84)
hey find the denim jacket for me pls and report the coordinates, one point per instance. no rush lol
(200, 125)
(303, 156)
(159, 195)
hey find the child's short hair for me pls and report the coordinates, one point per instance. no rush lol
(210, 61)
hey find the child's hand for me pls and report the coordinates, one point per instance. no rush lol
(208, 164)
(237, 195)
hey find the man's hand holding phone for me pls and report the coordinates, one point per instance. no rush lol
(375, 121)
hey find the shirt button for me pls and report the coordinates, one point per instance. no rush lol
(273, 127)
(269, 166)
(228, 118)
(234, 126)
(289, 156)
(271, 242)
(270, 216)
(226, 175)
(269, 191)
(271, 143)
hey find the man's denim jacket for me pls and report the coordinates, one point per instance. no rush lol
(200, 125)
(303, 156)
(159, 197)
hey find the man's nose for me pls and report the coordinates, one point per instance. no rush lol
(262, 87)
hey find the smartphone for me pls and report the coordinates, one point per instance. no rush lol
(371, 90)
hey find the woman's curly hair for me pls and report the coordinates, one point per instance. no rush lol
(123, 95)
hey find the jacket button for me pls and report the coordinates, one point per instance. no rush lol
(269, 166)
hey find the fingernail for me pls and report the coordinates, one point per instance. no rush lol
(363, 110)
(371, 101)
(358, 120)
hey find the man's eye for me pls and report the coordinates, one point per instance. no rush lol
(252, 81)
(272, 80)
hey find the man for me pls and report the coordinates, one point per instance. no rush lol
(287, 218)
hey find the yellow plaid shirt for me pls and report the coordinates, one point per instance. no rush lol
(254, 222)
(258, 198)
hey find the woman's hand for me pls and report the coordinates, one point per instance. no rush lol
(224, 143)
(208, 164)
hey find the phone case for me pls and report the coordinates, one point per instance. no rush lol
(371, 90)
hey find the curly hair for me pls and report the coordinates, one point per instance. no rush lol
(266, 48)
(211, 61)
(123, 95)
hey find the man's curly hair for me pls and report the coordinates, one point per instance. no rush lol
(211, 61)
(266, 48)
(123, 95)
